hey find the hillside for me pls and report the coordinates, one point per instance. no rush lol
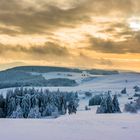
(38, 76)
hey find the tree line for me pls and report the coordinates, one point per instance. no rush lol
(34, 103)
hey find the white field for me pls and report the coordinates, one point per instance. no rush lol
(85, 125)
(89, 82)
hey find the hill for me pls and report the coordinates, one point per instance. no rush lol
(34, 76)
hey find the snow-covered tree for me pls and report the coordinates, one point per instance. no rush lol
(130, 107)
(138, 103)
(95, 100)
(2, 106)
(137, 88)
(17, 113)
(36, 103)
(34, 113)
(26, 105)
(103, 106)
(124, 91)
(116, 104)
(11, 106)
(49, 109)
(108, 105)
(72, 107)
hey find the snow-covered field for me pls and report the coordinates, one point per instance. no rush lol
(97, 83)
(85, 125)
(89, 82)
(94, 83)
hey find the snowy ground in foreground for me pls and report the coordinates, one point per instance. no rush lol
(85, 125)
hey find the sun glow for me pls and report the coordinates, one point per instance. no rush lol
(135, 25)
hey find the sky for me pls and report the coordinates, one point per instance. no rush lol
(101, 34)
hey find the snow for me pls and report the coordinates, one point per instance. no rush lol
(100, 83)
(95, 84)
(79, 77)
(85, 125)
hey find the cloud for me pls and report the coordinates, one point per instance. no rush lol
(30, 20)
(92, 61)
(131, 45)
(47, 50)
(39, 17)
(26, 24)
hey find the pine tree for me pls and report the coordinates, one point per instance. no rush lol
(34, 113)
(50, 108)
(109, 102)
(116, 104)
(26, 105)
(34, 103)
(18, 113)
(124, 91)
(11, 106)
(103, 106)
(108, 105)
(2, 106)
(72, 107)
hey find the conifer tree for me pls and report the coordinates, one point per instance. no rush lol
(17, 113)
(116, 104)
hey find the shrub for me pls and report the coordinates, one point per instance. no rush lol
(124, 91)
(130, 107)
(88, 94)
(137, 89)
(96, 100)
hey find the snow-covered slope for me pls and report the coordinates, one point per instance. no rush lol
(96, 84)
(78, 77)
(85, 125)
(88, 82)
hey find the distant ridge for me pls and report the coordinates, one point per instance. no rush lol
(44, 69)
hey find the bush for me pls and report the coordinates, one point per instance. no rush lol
(136, 95)
(87, 108)
(124, 91)
(138, 103)
(137, 89)
(88, 94)
(130, 107)
(96, 100)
